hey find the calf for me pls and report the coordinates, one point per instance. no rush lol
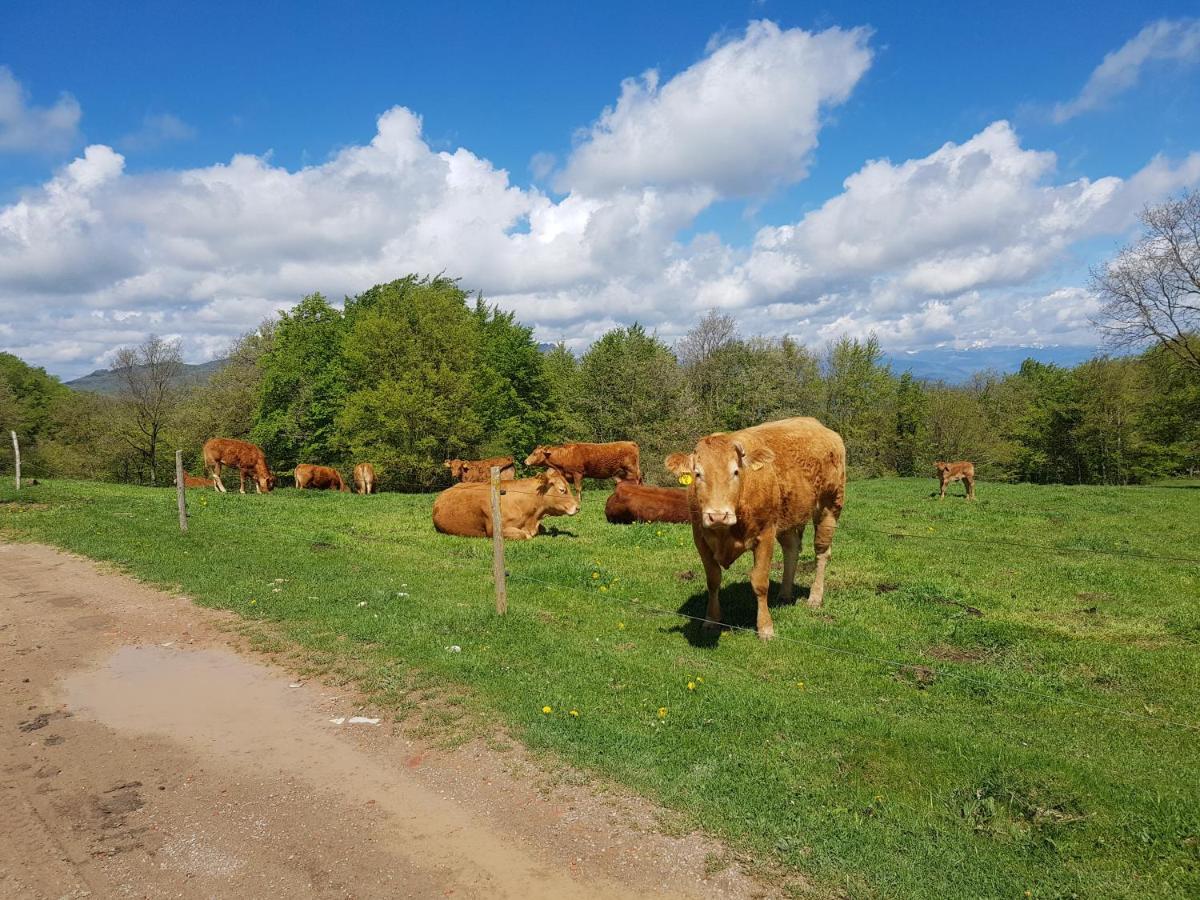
(956, 471)
(466, 509)
(618, 460)
(319, 478)
(194, 481)
(364, 478)
(752, 487)
(248, 458)
(474, 471)
(632, 502)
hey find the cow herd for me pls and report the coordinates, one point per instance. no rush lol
(744, 490)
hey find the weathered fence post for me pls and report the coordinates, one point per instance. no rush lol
(16, 458)
(179, 490)
(498, 546)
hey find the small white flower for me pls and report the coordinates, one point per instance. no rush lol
(362, 603)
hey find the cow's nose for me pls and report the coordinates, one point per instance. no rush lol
(719, 517)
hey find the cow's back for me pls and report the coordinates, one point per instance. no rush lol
(809, 467)
(598, 460)
(466, 508)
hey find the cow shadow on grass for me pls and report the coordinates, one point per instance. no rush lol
(739, 609)
(554, 531)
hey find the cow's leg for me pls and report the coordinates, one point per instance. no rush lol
(712, 577)
(790, 542)
(942, 496)
(578, 479)
(969, 483)
(241, 481)
(216, 477)
(760, 581)
(825, 524)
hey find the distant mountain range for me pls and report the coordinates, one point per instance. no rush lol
(105, 381)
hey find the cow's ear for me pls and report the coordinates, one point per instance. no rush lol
(543, 482)
(680, 463)
(756, 457)
(446, 463)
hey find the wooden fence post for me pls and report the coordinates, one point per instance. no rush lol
(17, 458)
(179, 490)
(498, 546)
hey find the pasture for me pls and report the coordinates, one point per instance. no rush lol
(1004, 701)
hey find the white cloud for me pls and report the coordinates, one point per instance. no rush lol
(156, 130)
(1163, 40)
(740, 122)
(28, 128)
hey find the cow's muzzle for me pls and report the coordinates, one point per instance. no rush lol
(719, 518)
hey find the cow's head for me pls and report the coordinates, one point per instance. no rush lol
(556, 494)
(539, 457)
(717, 468)
(942, 467)
(266, 482)
(456, 467)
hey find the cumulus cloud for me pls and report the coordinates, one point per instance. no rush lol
(1164, 40)
(155, 131)
(741, 121)
(28, 128)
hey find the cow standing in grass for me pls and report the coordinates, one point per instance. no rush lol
(618, 460)
(466, 509)
(752, 487)
(364, 478)
(248, 458)
(477, 471)
(319, 478)
(632, 502)
(956, 471)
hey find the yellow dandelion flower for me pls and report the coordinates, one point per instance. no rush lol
(800, 685)
(547, 709)
(595, 575)
(575, 713)
(252, 602)
(603, 588)
(620, 626)
(699, 680)
(659, 532)
(662, 712)
(691, 685)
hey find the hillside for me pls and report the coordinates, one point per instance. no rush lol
(104, 381)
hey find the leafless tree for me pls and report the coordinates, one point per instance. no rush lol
(148, 374)
(1151, 289)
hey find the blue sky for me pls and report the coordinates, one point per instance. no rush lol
(687, 199)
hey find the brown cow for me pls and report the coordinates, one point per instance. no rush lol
(248, 458)
(618, 460)
(466, 509)
(319, 478)
(632, 502)
(472, 471)
(194, 481)
(364, 478)
(752, 487)
(956, 471)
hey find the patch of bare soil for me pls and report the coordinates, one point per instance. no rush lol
(948, 653)
(142, 755)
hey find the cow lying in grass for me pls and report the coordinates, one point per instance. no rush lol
(319, 478)
(632, 502)
(466, 509)
(364, 478)
(956, 471)
(475, 471)
(752, 487)
(248, 458)
(618, 460)
(194, 481)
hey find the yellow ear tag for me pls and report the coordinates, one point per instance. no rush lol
(686, 478)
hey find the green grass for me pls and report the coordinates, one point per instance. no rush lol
(1026, 744)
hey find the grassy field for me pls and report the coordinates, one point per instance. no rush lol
(992, 706)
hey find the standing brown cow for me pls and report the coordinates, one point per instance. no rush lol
(364, 478)
(478, 471)
(466, 509)
(618, 460)
(754, 486)
(631, 503)
(956, 471)
(248, 458)
(319, 478)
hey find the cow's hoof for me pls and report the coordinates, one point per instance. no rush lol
(815, 602)
(766, 634)
(710, 625)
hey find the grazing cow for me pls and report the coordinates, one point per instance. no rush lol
(364, 478)
(466, 509)
(617, 460)
(194, 481)
(752, 487)
(956, 471)
(632, 502)
(319, 478)
(474, 471)
(248, 458)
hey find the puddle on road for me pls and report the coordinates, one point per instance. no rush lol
(221, 704)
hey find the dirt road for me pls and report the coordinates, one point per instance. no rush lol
(142, 755)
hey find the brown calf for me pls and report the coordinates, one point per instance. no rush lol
(466, 509)
(618, 460)
(956, 471)
(477, 471)
(364, 478)
(752, 487)
(319, 478)
(194, 481)
(248, 458)
(632, 502)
